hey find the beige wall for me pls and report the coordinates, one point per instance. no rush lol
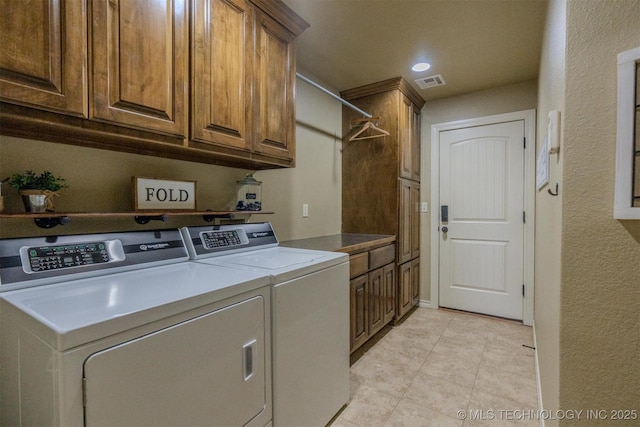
(101, 180)
(317, 177)
(503, 99)
(600, 275)
(549, 210)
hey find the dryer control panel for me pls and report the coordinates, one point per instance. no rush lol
(224, 239)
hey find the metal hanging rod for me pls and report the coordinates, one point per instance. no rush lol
(333, 95)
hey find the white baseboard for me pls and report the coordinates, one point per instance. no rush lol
(538, 384)
(426, 303)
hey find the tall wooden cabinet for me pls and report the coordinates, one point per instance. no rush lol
(381, 177)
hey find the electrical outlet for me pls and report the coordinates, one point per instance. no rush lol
(305, 210)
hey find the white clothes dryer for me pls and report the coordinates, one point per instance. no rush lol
(310, 315)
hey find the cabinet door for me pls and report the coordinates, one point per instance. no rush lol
(414, 207)
(405, 138)
(405, 299)
(359, 314)
(415, 281)
(404, 221)
(274, 98)
(415, 144)
(376, 301)
(43, 59)
(222, 70)
(389, 297)
(140, 64)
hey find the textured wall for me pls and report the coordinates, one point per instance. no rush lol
(600, 295)
(317, 177)
(549, 210)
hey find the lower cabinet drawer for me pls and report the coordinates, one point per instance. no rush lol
(358, 264)
(381, 256)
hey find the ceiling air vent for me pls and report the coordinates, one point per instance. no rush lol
(430, 81)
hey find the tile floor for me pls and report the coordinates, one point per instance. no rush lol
(439, 362)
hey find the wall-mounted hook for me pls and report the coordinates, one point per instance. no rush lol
(51, 222)
(552, 193)
(141, 219)
(213, 217)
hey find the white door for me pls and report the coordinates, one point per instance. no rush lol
(482, 240)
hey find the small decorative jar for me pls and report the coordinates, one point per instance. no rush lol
(249, 194)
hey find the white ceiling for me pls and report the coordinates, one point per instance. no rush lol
(473, 44)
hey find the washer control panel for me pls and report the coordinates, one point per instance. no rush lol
(223, 238)
(37, 259)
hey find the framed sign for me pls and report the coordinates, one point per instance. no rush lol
(162, 194)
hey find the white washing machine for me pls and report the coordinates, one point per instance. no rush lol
(310, 316)
(120, 329)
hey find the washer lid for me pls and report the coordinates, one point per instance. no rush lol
(276, 259)
(281, 263)
(69, 314)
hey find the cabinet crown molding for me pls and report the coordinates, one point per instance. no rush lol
(395, 83)
(283, 14)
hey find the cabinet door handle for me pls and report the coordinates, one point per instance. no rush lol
(247, 359)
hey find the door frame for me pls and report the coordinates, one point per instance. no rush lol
(529, 117)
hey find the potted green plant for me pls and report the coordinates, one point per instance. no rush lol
(37, 191)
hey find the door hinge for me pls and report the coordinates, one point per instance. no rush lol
(524, 217)
(525, 142)
(523, 289)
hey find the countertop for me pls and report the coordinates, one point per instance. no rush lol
(346, 242)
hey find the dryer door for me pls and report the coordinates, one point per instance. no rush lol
(210, 370)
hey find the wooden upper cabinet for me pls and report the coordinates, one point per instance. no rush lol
(140, 64)
(409, 139)
(221, 72)
(243, 77)
(275, 78)
(209, 81)
(43, 62)
(415, 142)
(405, 137)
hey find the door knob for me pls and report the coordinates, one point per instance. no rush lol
(445, 229)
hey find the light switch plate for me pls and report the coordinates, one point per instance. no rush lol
(424, 207)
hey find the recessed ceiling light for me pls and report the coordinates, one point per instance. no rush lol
(421, 66)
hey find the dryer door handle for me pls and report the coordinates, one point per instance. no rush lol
(247, 356)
